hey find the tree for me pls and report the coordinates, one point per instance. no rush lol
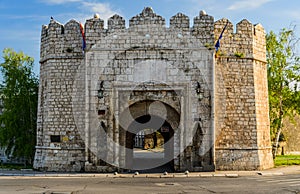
(283, 79)
(19, 95)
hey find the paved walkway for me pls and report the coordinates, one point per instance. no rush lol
(231, 174)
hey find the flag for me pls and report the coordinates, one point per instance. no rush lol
(218, 44)
(83, 37)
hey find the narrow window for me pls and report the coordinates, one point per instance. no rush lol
(55, 138)
(101, 112)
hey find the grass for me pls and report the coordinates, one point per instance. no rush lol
(287, 160)
(14, 166)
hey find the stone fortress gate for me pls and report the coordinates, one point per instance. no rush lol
(210, 109)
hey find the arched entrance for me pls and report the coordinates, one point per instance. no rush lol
(154, 128)
(157, 153)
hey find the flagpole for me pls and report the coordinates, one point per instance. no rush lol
(218, 44)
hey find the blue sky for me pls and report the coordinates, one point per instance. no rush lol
(21, 21)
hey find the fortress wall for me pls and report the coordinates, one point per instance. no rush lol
(241, 120)
(59, 144)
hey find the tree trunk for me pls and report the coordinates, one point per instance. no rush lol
(277, 139)
(279, 127)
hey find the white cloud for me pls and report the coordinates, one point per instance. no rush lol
(88, 8)
(60, 1)
(103, 9)
(247, 4)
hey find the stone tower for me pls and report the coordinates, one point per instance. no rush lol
(210, 109)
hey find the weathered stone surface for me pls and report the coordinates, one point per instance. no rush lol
(212, 109)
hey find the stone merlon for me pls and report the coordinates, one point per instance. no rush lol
(204, 28)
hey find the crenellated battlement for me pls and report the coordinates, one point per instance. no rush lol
(58, 40)
(92, 95)
(116, 23)
(248, 41)
(180, 21)
(147, 17)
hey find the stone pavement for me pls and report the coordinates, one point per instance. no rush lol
(230, 174)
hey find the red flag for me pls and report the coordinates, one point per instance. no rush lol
(83, 37)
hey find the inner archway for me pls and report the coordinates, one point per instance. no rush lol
(150, 137)
(152, 149)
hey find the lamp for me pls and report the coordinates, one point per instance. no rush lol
(100, 91)
(199, 91)
(198, 88)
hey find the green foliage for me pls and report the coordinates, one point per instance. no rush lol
(239, 54)
(14, 166)
(209, 46)
(283, 79)
(19, 95)
(287, 160)
(220, 53)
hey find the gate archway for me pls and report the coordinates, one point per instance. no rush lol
(160, 118)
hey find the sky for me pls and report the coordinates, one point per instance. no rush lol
(21, 21)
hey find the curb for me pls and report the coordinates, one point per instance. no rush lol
(270, 173)
(141, 175)
(190, 175)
